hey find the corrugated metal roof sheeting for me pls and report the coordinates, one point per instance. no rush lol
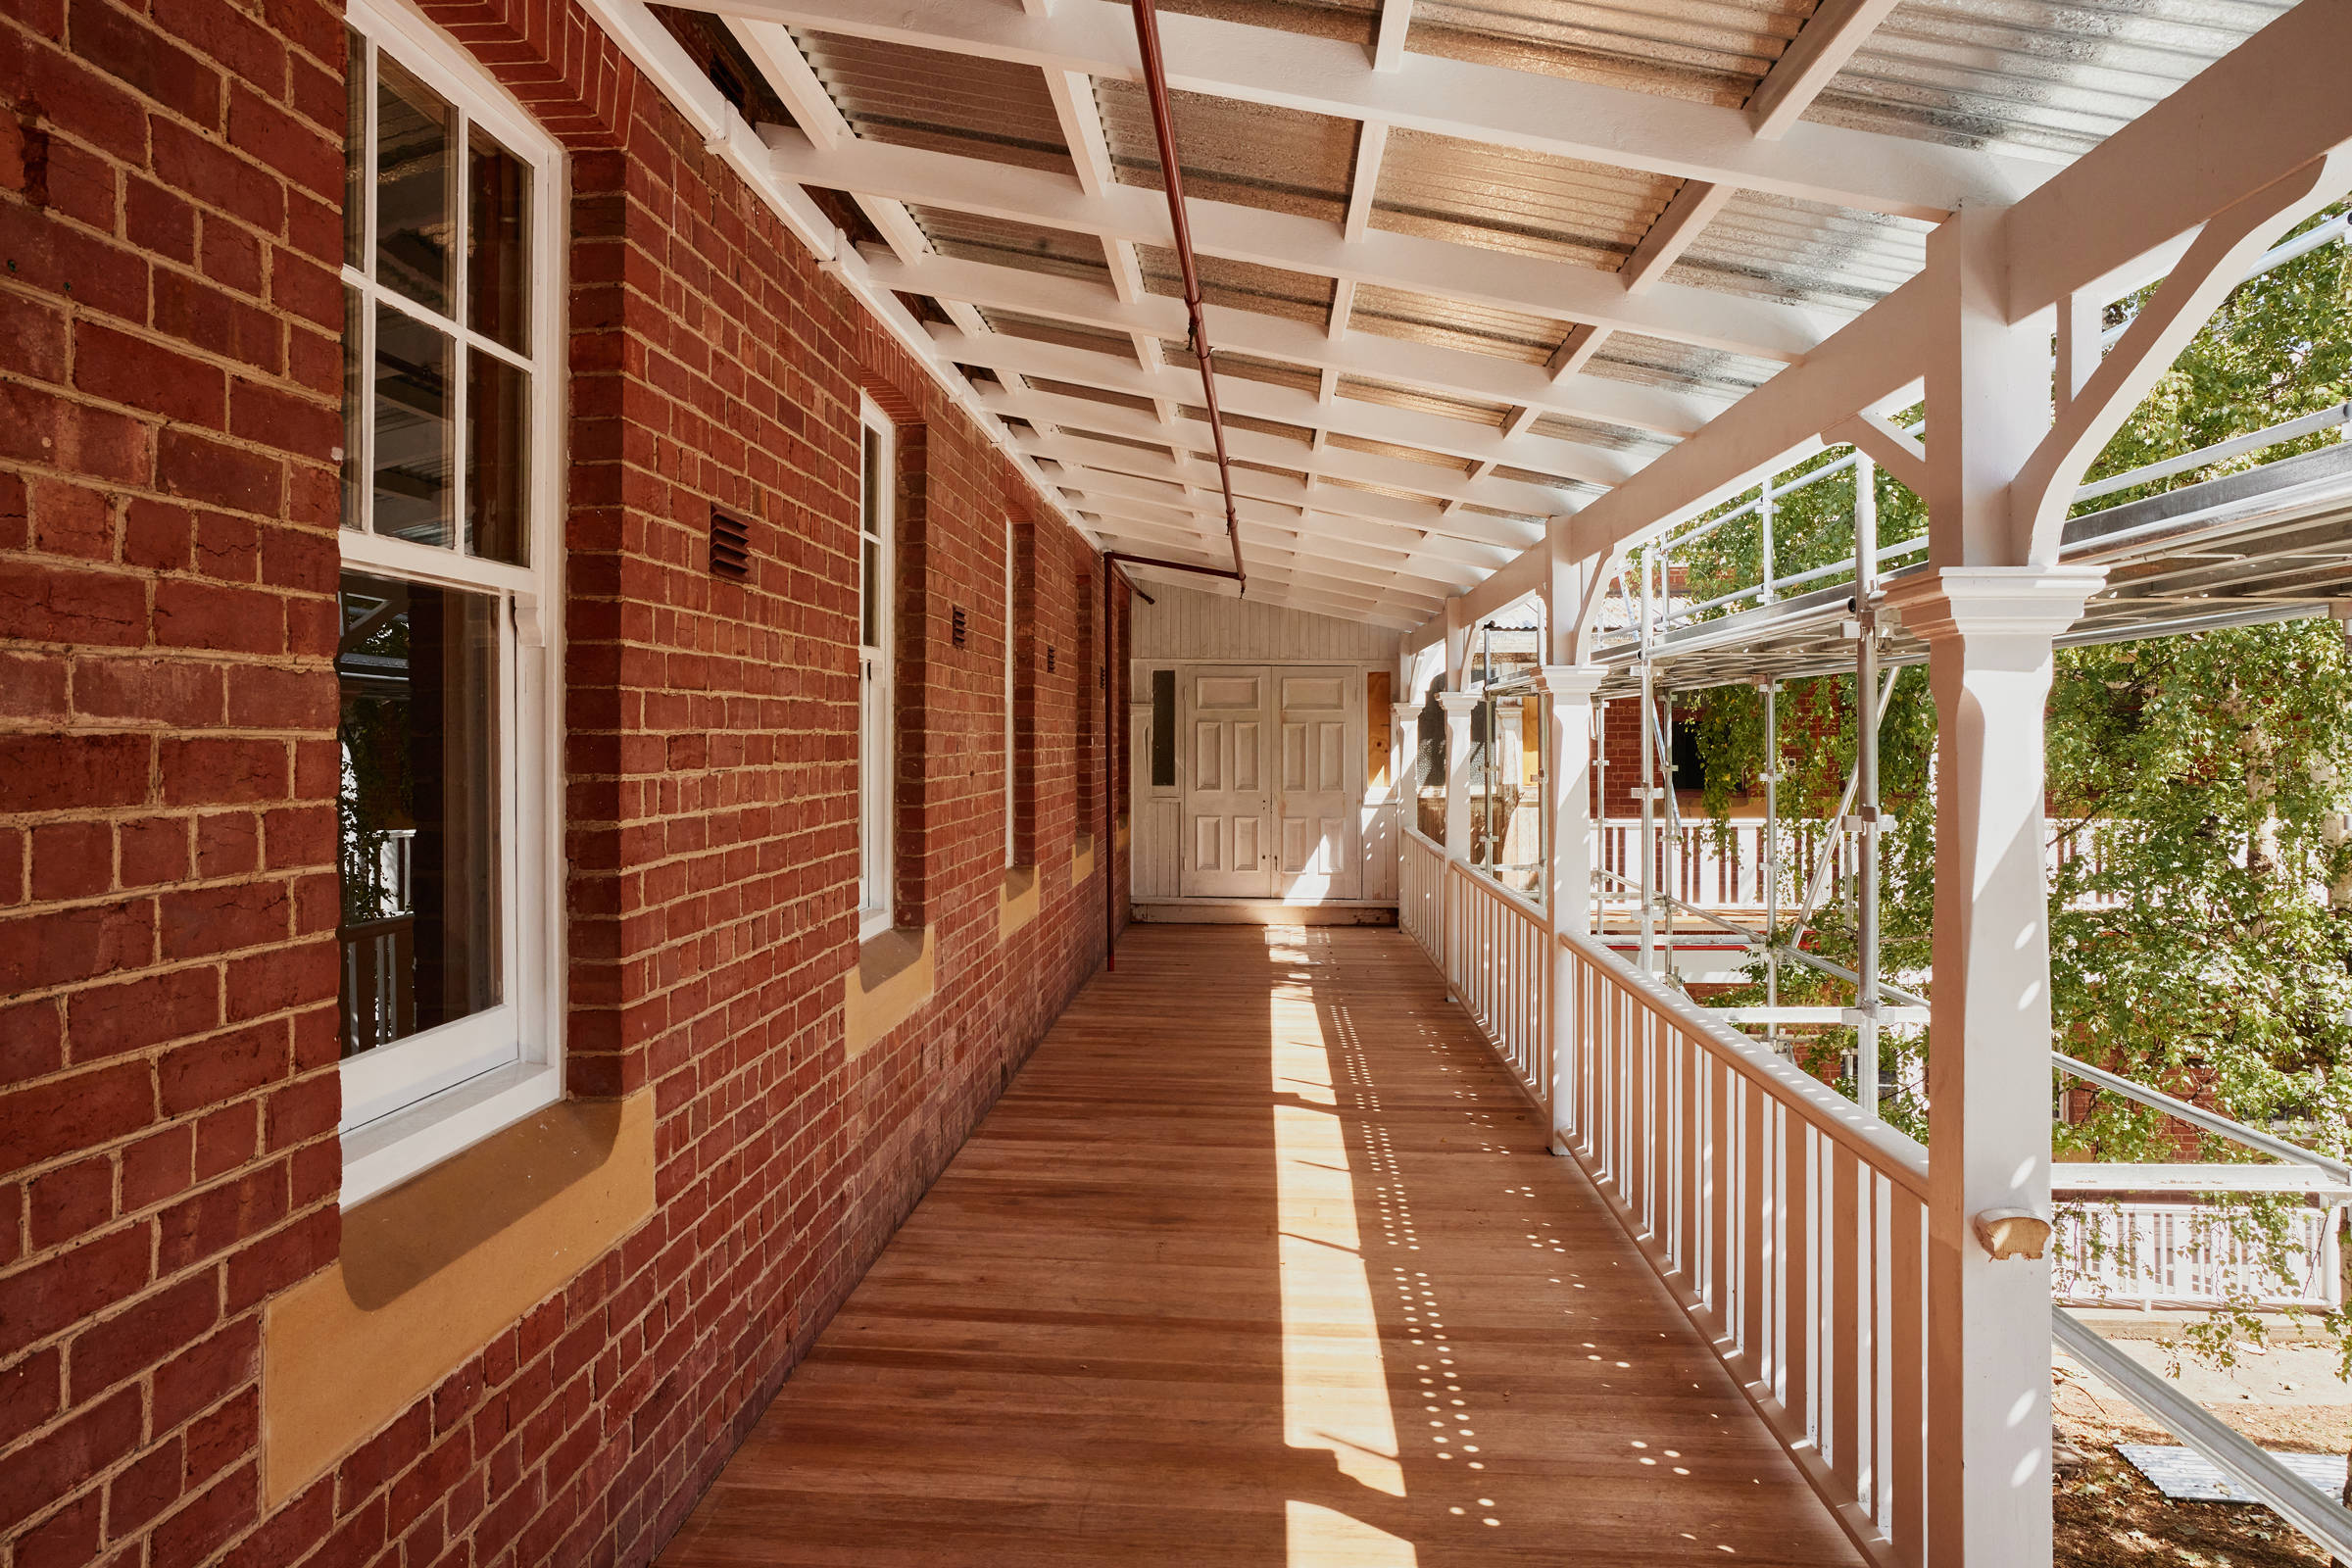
(971, 238)
(1091, 394)
(1807, 253)
(1593, 433)
(1713, 51)
(2032, 74)
(951, 103)
(1349, 20)
(1388, 449)
(1241, 285)
(1507, 198)
(1273, 373)
(1244, 422)
(1444, 407)
(1036, 329)
(1255, 155)
(1390, 491)
(1658, 362)
(1456, 324)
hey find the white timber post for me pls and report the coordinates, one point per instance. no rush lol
(1458, 707)
(1405, 772)
(1568, 895)
(1989, 618)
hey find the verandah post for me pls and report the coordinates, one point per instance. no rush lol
(1568, 891)
(1990, 618)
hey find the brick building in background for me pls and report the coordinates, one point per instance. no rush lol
(569, 611)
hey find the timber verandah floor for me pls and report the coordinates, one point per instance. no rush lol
(1259, 1260)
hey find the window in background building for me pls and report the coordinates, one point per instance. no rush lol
(877, 585)
(446, 822)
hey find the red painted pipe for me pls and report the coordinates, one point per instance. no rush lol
(1163, 125)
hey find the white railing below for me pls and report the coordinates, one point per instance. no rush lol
(1499, 942)
(1792, 1227)
(2193, 1255)
(1421, 892)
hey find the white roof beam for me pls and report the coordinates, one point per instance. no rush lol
(1344, 537)
(1525, 283)
(1334, 462)
(1368, 422)
(1820, 50)
(1476, 540)
(1494, 104)
(1301, 569)
(1367, 354)
(1388, 37)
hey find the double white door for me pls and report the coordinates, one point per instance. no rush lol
(1268, 776)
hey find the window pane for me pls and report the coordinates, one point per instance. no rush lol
(414, 176)
(418, 824)
(412, 428)
(870, 617)
(1163, 729)
(498, 411)
(354, 403)
(497, 242)
(354, 150)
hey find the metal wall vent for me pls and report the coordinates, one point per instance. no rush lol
(730, 547)
(959, 629)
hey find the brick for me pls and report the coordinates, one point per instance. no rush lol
(302, 153)
(148, 1486)
(157, 1166)
(224, 1140)
(152, 851)
(32, 1040)
(156, 534)
(31, 1392)
(202, 470)
(209, 1371)
(38, 426)
(109, 1020)
(200, 614)
(52, 603)
(284, 979)
(260, 697)
(284, 1257)
(68, 1538)
(211, 1072)
(217, 1218)
(122, 368)
(217, 321)
(159, 221)
(57, 947)
(92, 1275)
(202, 1526)
(61, 1115)
(31, 687)
(231, 256)
(72, 773)
(71, 861)
(164, 690)
(72, 519)
(214, 177)
(32, 337)
(227, 844)
(227, 1435)
(204, 771)
(126, 47)
(72, 1201)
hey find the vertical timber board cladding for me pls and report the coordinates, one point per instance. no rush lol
(171, 193)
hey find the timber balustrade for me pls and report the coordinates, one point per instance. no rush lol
(1790, 1227)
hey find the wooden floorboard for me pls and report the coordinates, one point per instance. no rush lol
(1260, 1260)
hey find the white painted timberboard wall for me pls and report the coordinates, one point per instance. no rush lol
(1186, 627)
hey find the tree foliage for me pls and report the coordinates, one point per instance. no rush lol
(2195, 944)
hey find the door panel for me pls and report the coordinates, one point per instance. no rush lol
(1315, 810)
(1227, 712)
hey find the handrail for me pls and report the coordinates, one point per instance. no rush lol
(1889, 1151)
(2220, 452)
(1516, 899)
(2296, 1500)
(2212, 1121)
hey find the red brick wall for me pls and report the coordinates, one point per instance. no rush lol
(169, 184)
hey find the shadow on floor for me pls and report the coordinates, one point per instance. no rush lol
(1260, 1261)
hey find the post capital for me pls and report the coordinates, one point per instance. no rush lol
(1993, 602)
(1570, 680)
(1404, 712)
(1460, 705)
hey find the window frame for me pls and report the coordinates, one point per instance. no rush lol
(412, 1102)
(877, 675)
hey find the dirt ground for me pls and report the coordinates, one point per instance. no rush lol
(2109, 1515)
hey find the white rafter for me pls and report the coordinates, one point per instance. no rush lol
(1705, 317)
(1492, 104)
(1261, 400)
(1487, 377)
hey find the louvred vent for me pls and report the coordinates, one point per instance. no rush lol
(730, 547)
